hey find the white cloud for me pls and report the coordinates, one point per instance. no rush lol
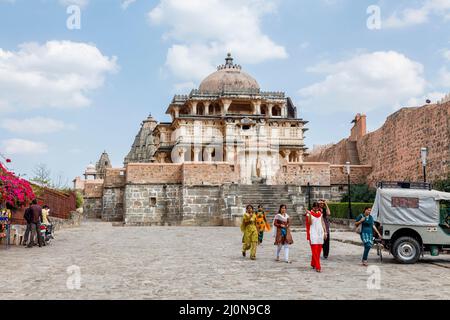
(183, 87)
(364, 82)
(23, 147)
(444, 77)
(432, 96)
(58, 74)
(37, 125)
(81, 3)
(446, 54)
(202, 32)
(416, 16)
(126, 3)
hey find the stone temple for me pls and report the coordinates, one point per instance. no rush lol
(228, 144)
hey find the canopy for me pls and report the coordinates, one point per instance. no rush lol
(412, 207)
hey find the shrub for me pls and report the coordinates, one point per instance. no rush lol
(79, 199)
(442, 185)
(360, 193)
(340, 209)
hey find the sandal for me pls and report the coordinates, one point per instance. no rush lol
(277, 259)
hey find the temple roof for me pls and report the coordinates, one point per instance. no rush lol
(229, 78)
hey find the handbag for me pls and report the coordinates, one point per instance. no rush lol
(358, 229)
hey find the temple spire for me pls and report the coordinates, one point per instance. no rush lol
(229, 64)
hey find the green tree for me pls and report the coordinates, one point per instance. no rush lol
(443, 184)
(361, 193)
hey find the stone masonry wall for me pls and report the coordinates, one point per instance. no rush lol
(209, 173)
(113, 194)
(201, 206)
(113, 204)
(148, 173)
(92, 208)
(152, 204)
(336, 154)
(114, 177)
(302, 174)
(394, 149)
(93, 189)
(93, 199)
(358, 174)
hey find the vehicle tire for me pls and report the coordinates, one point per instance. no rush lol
(406, 250)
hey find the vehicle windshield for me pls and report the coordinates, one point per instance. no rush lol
(444, 209)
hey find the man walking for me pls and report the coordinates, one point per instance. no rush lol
(36, 217)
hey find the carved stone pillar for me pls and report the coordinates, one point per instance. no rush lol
(269, 109)
(230, 154)
(208, 154)
(225, 105)
(286, 155)
(182, 154)
(197, 154)
(257, 107)
(194, 107)
(206, 105)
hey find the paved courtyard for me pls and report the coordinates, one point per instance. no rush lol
(204, 263)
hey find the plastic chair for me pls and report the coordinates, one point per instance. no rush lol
(19, 233)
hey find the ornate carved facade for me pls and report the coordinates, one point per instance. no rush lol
(228, 119)
(228, 144)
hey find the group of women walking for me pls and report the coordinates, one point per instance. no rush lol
(254, 224)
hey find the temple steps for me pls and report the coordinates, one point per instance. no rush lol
(271, 197)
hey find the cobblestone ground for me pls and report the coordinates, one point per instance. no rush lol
(204, 263)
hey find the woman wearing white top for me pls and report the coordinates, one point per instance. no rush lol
(317, 233)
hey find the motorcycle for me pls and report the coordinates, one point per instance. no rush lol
(46, 233)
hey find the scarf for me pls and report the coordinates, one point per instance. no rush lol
(282, 218)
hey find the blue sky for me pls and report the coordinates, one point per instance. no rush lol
(67, 95)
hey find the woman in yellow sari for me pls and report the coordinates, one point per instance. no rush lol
(261, 223)
(250, 238)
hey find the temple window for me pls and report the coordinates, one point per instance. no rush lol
(276, 111)
(238, 108)
(264, 110)
(200, 110)
(185, 110)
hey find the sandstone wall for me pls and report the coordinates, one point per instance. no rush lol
(145, 173)
(114, 177)
(303, 173)
(358, 174)
(337, 153)
(93, 189)
(209, 173)
(93, 199)
(394, 149)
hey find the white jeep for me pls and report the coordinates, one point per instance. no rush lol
(412, 219)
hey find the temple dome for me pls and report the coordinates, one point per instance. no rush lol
(229, 78)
